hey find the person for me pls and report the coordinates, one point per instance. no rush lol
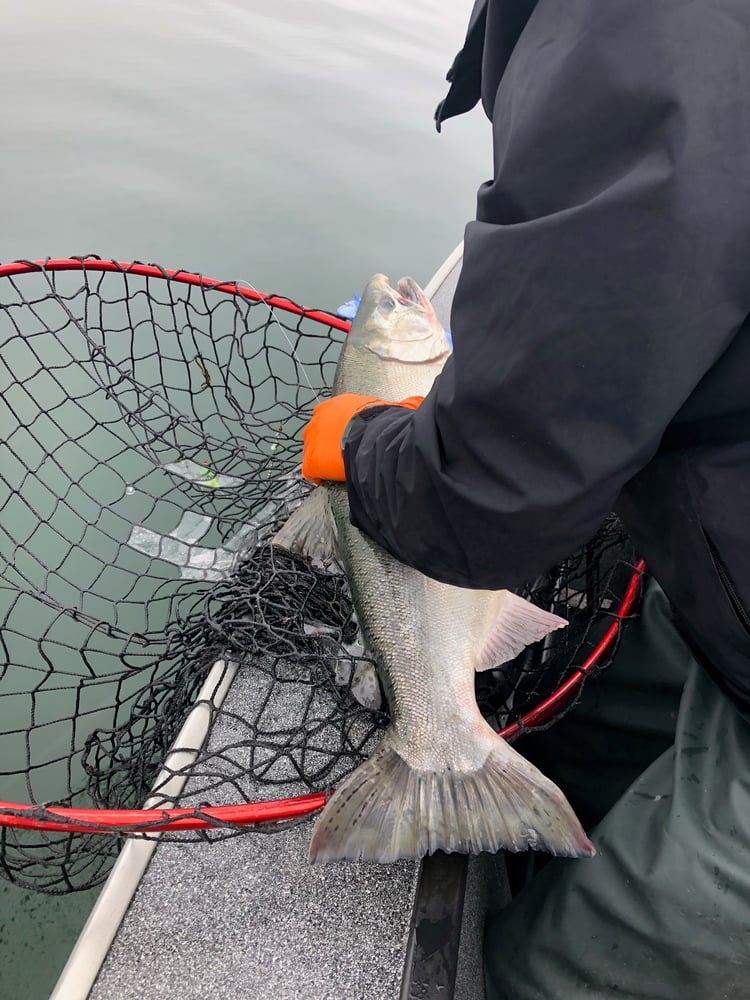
(602, 363)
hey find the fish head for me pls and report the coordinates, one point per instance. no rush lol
(398, 324)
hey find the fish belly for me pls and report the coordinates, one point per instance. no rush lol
(441, 779)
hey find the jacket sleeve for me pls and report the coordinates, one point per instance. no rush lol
(606, 271)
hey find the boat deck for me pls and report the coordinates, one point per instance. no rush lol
(250, 917)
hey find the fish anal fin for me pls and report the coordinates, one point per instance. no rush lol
(310, 533)
(516, 624)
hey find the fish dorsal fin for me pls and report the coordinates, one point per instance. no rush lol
(310, 532)
(516, 624)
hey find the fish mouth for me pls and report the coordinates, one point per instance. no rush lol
(410, 293)
(407, 294)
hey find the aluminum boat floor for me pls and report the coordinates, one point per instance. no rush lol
(249, 917)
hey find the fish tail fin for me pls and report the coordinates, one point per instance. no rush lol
(386, 810)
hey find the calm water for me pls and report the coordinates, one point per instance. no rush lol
(288, 144)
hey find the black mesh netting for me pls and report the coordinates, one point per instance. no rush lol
(149, 450)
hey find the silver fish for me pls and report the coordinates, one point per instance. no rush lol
(441, 779)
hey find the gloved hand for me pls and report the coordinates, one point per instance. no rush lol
(322, 457)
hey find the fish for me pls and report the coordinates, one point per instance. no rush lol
(441, 779)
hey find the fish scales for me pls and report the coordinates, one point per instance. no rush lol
(430, 706)
(441, 778)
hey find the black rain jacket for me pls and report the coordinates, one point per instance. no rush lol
(601, 337)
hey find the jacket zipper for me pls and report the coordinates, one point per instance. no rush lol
(729, 587)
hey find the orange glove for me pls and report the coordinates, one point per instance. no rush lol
(322, 457)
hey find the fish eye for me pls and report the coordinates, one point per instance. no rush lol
(386, 305)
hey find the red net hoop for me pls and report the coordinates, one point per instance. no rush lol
(154, 421)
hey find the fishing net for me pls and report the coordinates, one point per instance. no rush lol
(149, 452)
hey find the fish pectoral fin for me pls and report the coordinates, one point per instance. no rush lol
(310, 533)
(516, 625)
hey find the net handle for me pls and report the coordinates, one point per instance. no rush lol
(124, 821)
(141, 270)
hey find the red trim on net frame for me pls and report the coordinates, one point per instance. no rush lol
(124, 821)
(185, 277)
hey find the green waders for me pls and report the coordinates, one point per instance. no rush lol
(663, 911)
